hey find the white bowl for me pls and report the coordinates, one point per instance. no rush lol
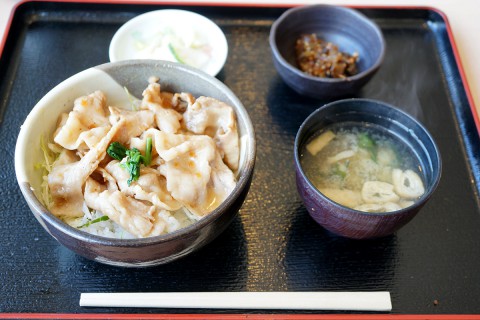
(173, 35)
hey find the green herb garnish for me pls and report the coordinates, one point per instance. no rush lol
(117, 151)
(134, 158)
(102, 218)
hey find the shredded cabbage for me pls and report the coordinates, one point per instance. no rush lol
(50, 156)
(134, 102)
(182, 44)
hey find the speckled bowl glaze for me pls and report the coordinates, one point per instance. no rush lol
(112, 78)
(348, 222)
(350, 30)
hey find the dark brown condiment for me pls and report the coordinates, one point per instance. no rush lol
(323, 59)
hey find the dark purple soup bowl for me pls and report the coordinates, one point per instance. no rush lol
(352, 223)
(347, 28)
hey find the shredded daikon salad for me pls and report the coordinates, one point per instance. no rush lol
(180, 44)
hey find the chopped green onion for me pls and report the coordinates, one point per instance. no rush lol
(148, 152)
(338, 171)
(365, 142)
(102, 218)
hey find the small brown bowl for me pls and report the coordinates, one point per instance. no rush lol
(347, 28)
(352, 223)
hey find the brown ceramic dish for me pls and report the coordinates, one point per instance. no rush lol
(347, 28)
(112, 78)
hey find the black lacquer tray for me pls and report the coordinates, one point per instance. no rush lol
(273, 244)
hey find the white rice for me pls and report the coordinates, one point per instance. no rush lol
(110, 229)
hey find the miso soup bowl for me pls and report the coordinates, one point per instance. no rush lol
(112, 79)
(352, 223)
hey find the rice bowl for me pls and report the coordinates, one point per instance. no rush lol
(112, 78)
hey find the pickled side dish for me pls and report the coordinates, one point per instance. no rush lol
(363, 168)
(323, 59)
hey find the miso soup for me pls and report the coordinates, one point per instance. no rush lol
(363, 168)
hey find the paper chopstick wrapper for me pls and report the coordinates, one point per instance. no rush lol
(357, 301)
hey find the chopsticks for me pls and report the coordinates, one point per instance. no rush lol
(357, 301)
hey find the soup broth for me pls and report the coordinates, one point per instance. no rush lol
(363, 168)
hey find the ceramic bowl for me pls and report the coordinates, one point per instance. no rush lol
(350, 30)
(348, 222)
(112, 79)
(174, 35)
